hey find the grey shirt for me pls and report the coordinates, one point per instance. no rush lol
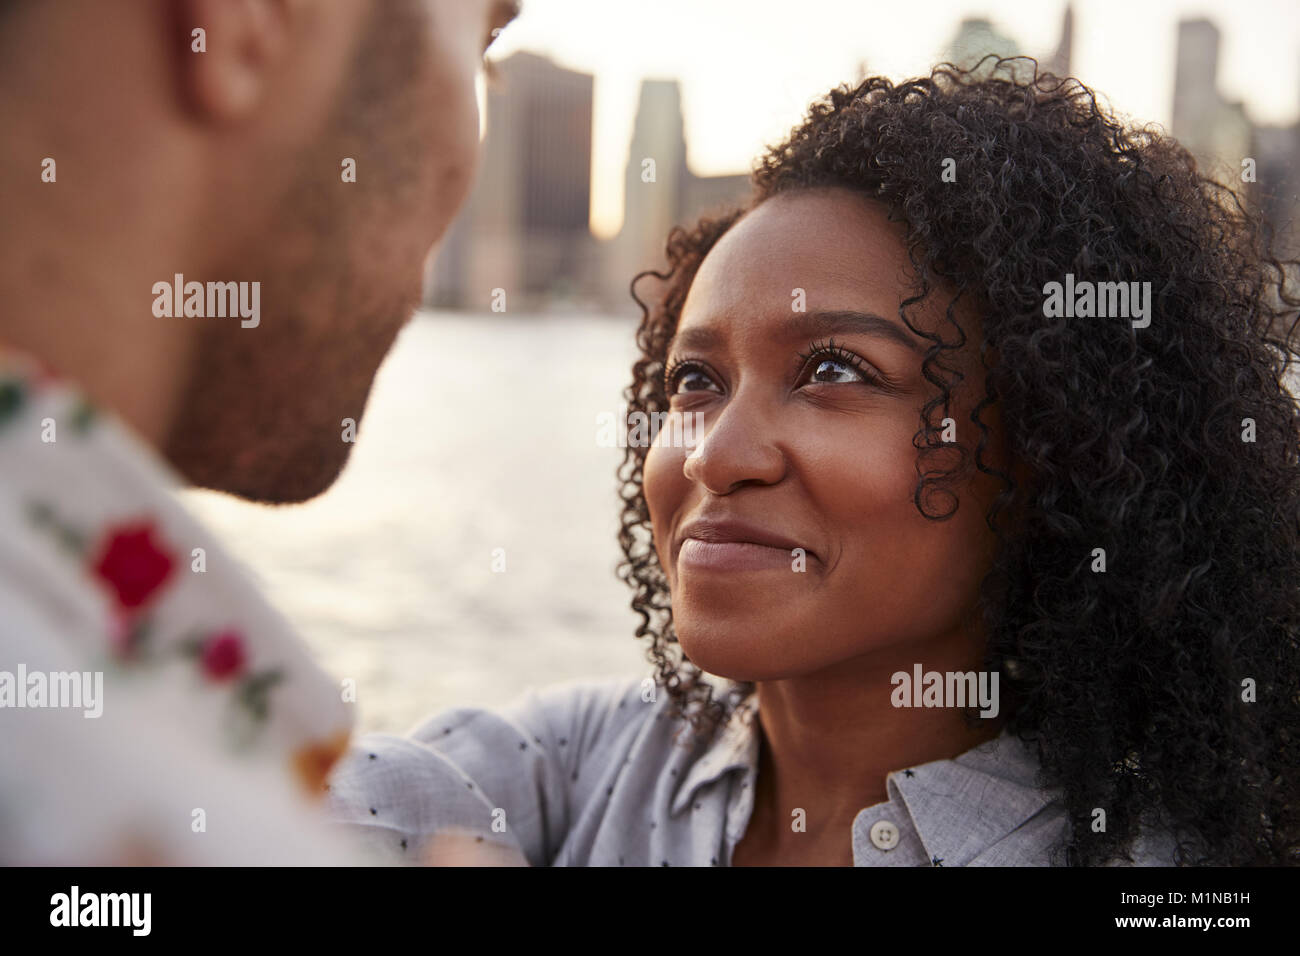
(589, 774)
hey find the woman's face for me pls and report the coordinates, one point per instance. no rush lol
(808, 419)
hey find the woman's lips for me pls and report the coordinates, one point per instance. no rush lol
(732, 556)
(730, 543)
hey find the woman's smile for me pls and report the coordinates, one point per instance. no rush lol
(730, 544)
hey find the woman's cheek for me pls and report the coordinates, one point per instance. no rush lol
(662, 482)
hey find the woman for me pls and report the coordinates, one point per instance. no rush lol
(991, 530)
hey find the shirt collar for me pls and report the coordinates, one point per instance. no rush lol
(963, 805)
(959, 806)
(734, 747)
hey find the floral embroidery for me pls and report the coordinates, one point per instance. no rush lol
(83, 417)
(314, 762)
(14, 389)
(42, 516)
(130, 635)
(252, 692)
(11, 399)
(130, 564)
(133, 565)
(222, 656)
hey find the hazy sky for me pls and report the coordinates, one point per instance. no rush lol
(749, 68)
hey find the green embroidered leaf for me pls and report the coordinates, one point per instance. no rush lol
(253, 692)
(71, 540)
(136, 645)
(39, 513)
(192, 646)
(42, 517)
(83, 417)
(11, 399)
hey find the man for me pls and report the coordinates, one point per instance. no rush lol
(215, 219)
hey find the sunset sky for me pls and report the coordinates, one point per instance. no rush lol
(749, 68)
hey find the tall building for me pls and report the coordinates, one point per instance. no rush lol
(525, 228)
(653, 185)
(977, 37)
(1058, 62)
(1276, 190)
(1217, 132)
(660, 190)
(1258, 161)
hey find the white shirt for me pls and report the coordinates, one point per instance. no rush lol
(215, 728)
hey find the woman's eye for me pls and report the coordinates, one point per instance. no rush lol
(692, 380)
(834, 370)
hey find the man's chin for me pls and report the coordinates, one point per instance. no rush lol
(271, 477)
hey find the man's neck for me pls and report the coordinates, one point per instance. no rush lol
(99, 335)
(77, 265)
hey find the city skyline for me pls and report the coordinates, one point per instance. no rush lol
(525, 231)
(1125, 50)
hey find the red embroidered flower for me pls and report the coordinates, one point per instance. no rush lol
(223, 656)
(133, 564)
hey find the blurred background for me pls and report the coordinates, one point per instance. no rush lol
(468, 550)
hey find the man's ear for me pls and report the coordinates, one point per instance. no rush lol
(233, 51)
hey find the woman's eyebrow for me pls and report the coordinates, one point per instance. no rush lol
(806, 325)
(699, 339)
(847, 321)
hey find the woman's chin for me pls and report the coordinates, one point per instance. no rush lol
(736, 654)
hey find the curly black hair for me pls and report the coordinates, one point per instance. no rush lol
(1134, 686)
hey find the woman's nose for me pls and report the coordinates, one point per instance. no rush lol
(739, 447)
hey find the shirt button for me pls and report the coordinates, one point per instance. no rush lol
(884, 834)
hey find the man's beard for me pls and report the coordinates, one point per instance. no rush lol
(264, 408)
(263, 414)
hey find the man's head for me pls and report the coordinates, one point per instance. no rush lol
(317, 147)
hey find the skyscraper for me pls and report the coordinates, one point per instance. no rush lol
(661, 191)
(525, 227)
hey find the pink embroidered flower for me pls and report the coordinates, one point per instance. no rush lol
(223, 656)
(132, 564)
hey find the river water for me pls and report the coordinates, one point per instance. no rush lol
(481, 434)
